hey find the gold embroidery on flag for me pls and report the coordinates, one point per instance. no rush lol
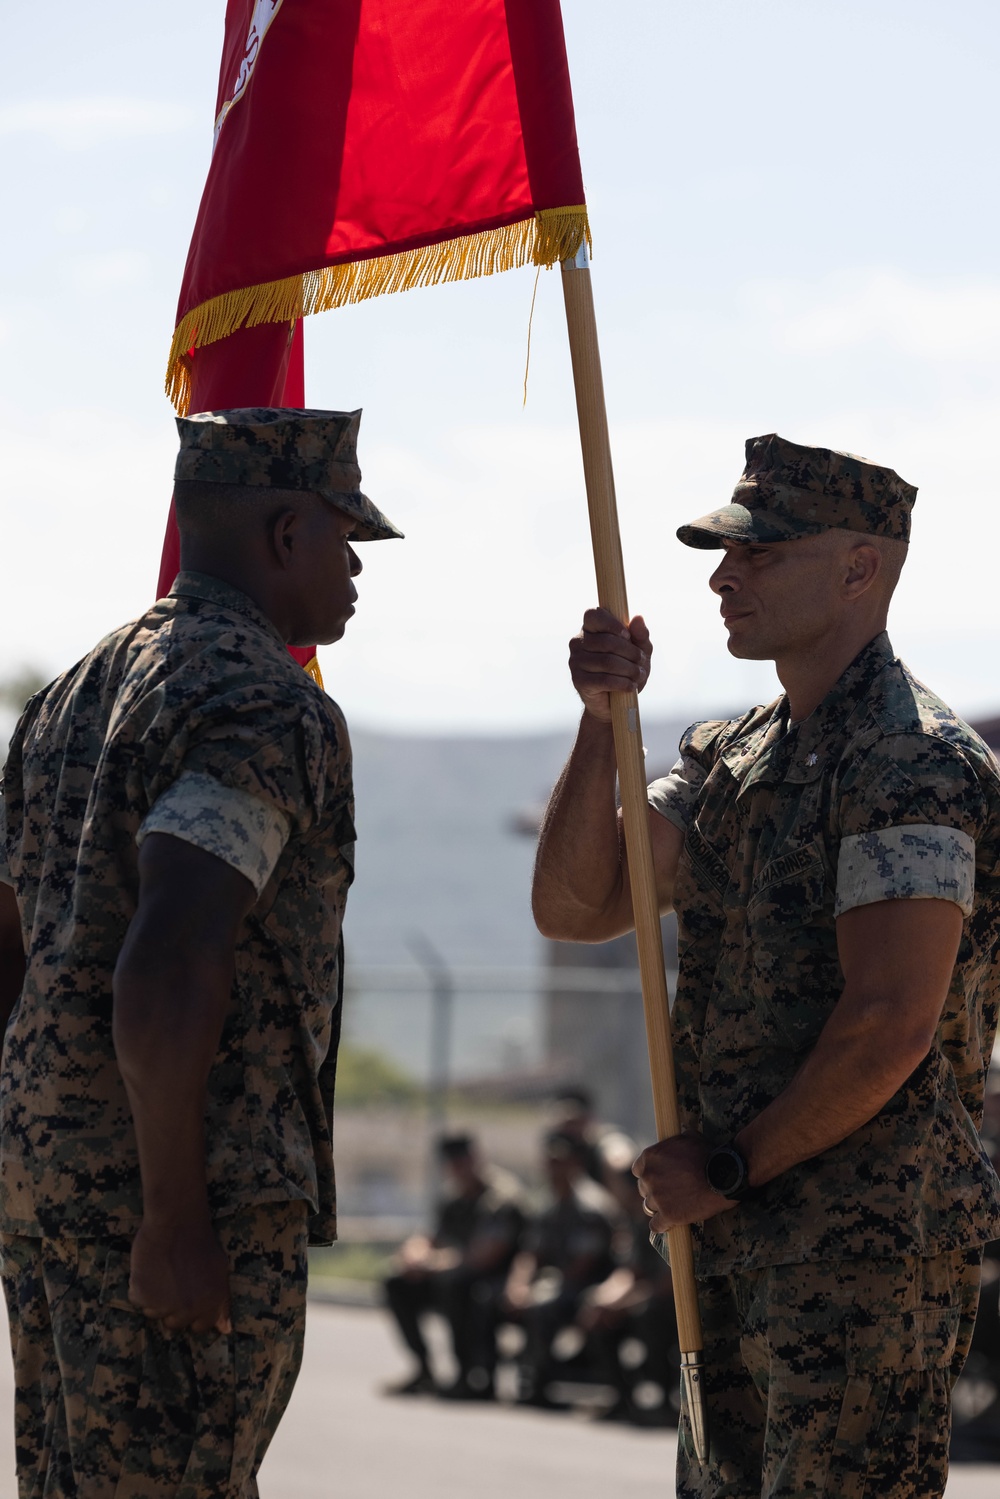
(549, 236)
(264, 12)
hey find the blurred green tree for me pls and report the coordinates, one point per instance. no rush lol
(367, 1078)
(16, 690)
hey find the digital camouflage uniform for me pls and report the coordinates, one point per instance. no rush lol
(109, 1403)
(839, 1299)
(193, 721)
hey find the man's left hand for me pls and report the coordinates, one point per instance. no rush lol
(672, 1183)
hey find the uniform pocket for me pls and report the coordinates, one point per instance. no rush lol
(892, 1435)
(905, 1343)
(113, 1373)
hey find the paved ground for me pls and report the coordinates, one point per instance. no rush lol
(341, 1438)
(429, 1450)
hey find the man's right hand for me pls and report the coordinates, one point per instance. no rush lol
(606, 657)
(180, 1276)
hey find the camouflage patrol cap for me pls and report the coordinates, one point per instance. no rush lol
(787, 491)
(282, 448)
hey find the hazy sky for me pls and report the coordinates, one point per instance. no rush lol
(795, 219)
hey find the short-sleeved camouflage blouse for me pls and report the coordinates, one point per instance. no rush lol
(195, 721)
(881, 794)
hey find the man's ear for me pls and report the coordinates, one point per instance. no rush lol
(283, 536)
(864, 564)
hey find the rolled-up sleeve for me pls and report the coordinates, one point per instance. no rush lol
(245, 832)
(913, 862)
(675, 795)
(911, 811)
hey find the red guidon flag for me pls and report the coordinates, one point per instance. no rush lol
(367, 146)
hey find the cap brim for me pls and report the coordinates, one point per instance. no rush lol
(371, 525)
(738, 524)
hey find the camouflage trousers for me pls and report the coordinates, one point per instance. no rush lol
(832, 1379)
(109, 1405)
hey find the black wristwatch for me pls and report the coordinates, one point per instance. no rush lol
(727, 1172)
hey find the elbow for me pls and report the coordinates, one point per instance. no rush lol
(895, 1068)
(912, 1048)
(550, 923)
(909, 1033)
(549, 913)
(900, 1047)
(162, 990)
(561, 914)
(565, 923)
(553, 930)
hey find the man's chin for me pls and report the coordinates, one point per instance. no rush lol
(332, 635)
(748, 650)
(324, 635)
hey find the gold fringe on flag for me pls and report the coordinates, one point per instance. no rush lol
(311, 668)
(550, 235)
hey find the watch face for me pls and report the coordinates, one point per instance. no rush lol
(724, 1171)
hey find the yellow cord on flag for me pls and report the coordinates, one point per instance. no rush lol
(546, 237)
(531, 319)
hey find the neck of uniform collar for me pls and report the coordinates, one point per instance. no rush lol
(852, 685)
(192, 585)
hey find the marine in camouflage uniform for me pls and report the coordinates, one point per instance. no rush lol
(844, 1291)
(194, 722)
(838, 1299)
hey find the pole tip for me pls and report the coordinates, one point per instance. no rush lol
(693, 1376)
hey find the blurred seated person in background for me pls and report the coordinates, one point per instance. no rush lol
(460, 1271)
(566, 1248)
(635, 1302)
(608, 1150)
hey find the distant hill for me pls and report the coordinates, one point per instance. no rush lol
(438, 853)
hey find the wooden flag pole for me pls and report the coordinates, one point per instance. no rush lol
(600, 484)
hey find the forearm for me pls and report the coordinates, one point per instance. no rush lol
(168, 1016)
(853, 1071)
(443, 1259)
(897, 958)
(862, 1057)
(578, 888)
(616, 1291)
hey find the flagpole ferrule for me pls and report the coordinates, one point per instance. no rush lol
(693, 1379)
